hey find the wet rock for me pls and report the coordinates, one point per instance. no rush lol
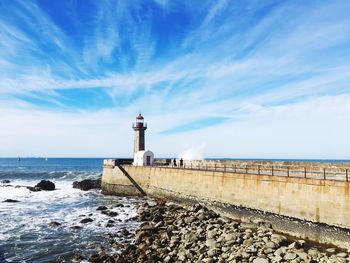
(87, 184)
(112, 214)
(101, 208)
(124, 232)
(10, 201)
(46, 185)
(86, 220)
(75, 227)
(54, 224)
(5, 181)
(34, 189)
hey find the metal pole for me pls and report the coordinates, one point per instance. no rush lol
(225, 168)
(272, 170)
(324, 173)
(288, 171)
(305, 172)
(215, 167)
(246, 169)
(258, 169)
(235, 168)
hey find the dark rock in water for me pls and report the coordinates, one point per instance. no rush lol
(46, 185)
(119, 205)
(101, 208)
(86, 220)
(112, 214)
(10, 201)
(34, 189)
(75, 227)
(54, 224)
(5, 181)
(86, 185)
(125, 232)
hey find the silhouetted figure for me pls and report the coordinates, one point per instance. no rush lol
(181, 162)
(174, 162)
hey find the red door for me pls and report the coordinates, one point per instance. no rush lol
(148, 160)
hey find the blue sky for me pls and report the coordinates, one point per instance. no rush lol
(240, 79)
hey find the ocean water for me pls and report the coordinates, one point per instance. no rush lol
(25, 233)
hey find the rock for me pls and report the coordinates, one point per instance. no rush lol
(244, 226)
(101, 208)
(88, 184)
(211, 234)
(86, 220)
(5, 181)
(229, 237)
(330, 250)
(277, 258)
(300, 243)
(34, 189)
(75, 227)
(54, 224)
(213, 252)
(10, 201)
(260, 260)
(313, 252)
(303, 256)
(289, 256)
(211, 243)
(271, 244)
(46, 185)
(125, 232)
(112, 214)
(342, 255)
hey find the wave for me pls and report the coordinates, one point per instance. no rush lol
(53, 175)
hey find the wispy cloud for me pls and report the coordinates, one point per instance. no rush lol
(191, 68)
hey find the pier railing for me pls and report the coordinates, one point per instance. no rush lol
(339, 174)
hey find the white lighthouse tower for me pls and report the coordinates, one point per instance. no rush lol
(141, 156)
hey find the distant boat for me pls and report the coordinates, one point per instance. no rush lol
(18, 158)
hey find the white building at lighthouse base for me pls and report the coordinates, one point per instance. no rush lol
(143, 158)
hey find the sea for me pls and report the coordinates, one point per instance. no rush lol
(26, 234)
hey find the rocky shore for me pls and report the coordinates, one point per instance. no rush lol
(172, 233)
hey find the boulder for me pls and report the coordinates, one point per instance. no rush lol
(54, 224)
(46, 185)
(101, 208)
(10, 201)
(86, 220)
(88, 184)
(5, 181)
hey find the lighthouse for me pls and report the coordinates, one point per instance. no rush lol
(141, 157)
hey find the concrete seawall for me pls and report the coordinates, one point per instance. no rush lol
(307, 208)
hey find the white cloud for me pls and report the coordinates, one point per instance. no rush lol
(226, 72)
